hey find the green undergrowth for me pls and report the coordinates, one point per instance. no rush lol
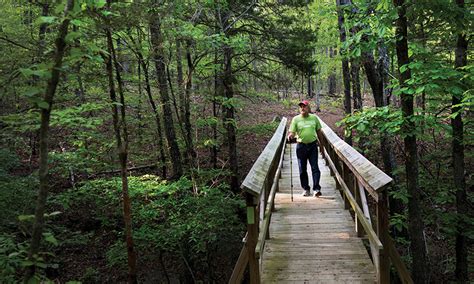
(263, 129)
(168, 218)
(178, 228)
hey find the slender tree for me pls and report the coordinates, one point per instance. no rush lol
(137, 50)
(60, 47)
(415, 221)
(457, 125)
(228, 107)
(121, 136)
(346, 76)
(160, 66)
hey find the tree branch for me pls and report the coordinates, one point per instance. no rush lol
(14, 43)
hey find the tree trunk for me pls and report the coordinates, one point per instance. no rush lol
(319, 87)
(346, 76)
(121, 132)
(355, 73)
(383, 66)
(185, 98)
(415, 221)
(386, 142)
(146, 75)
(229, 120)
(310, 87)
(355, 79)
(191, 153)
(377, 75)
(214, 114)
(373, 76)
(228, 108)
(44, 138)
(158, 58)
(42, 31)
(457, 125)
(332, 76)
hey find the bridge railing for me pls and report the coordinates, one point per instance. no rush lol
(355, 175)
(260, 186)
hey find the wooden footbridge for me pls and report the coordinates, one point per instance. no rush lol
(335, 238)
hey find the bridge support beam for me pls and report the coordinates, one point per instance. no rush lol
(383, 275)
(252, 238)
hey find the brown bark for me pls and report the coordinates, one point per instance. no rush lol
(355, 72)
(214, 114)
(415, 221)
(180, 78)
(346, 76)
(159, 60)
(187, 100)
(377, 75)
(228, 109)
(373, 76)
(44, 137)
(229, 120)
(121, 136)
(332, 76)
(151, 101)
(184, 89)
(457, 125)
(355, 80)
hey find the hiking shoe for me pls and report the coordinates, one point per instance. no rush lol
(317, 193)
(306, 193)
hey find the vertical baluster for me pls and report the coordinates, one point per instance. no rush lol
(357, 191)
(252, 237)
(383, 274)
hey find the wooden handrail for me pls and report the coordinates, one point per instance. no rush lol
(260, 186)
(254, 181)
(354, 175)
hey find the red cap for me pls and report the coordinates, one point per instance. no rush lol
(305, 103)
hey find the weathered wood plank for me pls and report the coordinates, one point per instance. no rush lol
(313, 239)
(372, 177)
(253, 182)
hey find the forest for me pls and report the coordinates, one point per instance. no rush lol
(127, 127)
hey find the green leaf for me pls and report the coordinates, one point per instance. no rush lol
(99, 4)
(50, 238)
(358, 52)
(43, 105)
(22, 218)
(55, 213)
(77, 22)
(42, 73)
(70, 37)
(13, 254)
(41, 265)
(31, 92)
(420, 89)
(46, 20)
(27, 263)
(403, 68)
(106, 13)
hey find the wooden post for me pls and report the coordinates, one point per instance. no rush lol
(252, 238)
(359, 228)
(345, 177)
(383, 275)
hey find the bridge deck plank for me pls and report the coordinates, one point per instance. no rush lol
(313, 240)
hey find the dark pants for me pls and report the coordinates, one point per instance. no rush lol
(305, 153)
